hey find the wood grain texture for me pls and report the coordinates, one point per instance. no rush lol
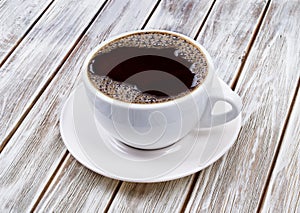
(72, 183)
(151, 197)
(283, 194)
(27, 70)
(182, 16)
(16, 17)
(251, 12)
(36, 149)
(227, 32)
(267, 85)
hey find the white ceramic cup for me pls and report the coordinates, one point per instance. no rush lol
(157, 125)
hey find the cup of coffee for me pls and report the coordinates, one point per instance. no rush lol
(149, 89)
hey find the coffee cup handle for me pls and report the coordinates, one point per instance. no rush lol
(225, 94)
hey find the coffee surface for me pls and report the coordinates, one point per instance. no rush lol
(138, 70)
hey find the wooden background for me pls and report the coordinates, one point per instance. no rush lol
(255, 46)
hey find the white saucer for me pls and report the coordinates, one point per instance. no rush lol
(93, 147)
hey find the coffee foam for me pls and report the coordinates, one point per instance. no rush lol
(126, 92)
(130, 93)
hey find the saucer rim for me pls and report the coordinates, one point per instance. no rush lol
(91, 166)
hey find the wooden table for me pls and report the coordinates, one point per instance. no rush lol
(255, 46)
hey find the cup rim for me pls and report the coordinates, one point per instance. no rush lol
(199, 89)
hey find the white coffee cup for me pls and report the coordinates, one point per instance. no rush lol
(157, 125)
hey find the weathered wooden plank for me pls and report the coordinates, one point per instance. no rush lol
(36, 149)
(151, 197)
(16, 17)
(267, 85)
(180, 16)
(227, 32)
(283, 191)
(72, 183)
(28, 69)
(250, 12)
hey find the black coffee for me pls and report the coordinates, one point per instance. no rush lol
(147, 73)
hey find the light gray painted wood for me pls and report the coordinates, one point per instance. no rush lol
(283, 193)
(227, 33)
(77, 189)
(16, 17)
(152, 197)
(185, 16)
(267, 86)
(36, 59)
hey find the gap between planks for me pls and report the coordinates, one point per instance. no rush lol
(204, 20)
(23, 36)
(114, 194)
(277, 150)
(249, 47)
(59, 166)
(23, 116)
(151, 13)
(190, 191)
